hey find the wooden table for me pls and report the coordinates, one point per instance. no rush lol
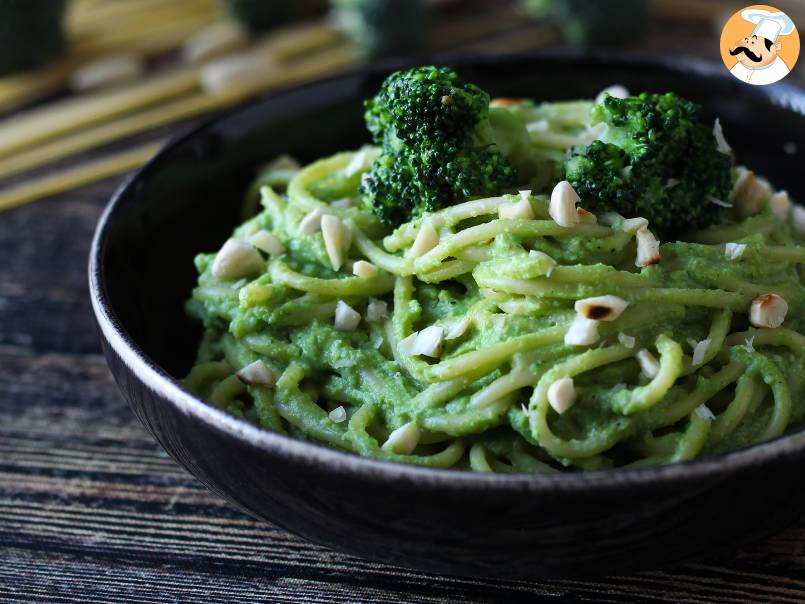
(91, 509)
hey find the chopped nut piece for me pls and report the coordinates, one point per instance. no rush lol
(429, 342)
(733, 251)
(268, 243)
(562, 394)
(648, 248)
(257, 374)
(768, 310)
(704, 412)
(311, 222)
(376, 310)
(335, 239)
(346, 317)
(700, 351)
(426, 239)
(633, 225)
(458, 329)
(582, 332)
(563, 205)
(403, 440)
(627, 340)
(236, 259)
(338, 415)
(648, 364)
(749, 193)
(586, 217)
(406, 345)
(780, 204)
(721, 142)
(362, 268)
(601, 308)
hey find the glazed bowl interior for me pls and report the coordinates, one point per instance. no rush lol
(188, 199)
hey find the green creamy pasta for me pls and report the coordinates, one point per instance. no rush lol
(512, 332)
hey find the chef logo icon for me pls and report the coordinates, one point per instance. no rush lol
(760, 45)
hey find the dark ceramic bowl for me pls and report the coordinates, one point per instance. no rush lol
(187, 199)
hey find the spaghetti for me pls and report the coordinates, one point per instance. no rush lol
(460, 339)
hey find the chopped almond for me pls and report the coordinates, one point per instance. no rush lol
(721, 142)
(257, 374)
(562, 394)
(346, 317)
(426, 239)
(362, 268)
(563, 205)
(311, 222)
(633, 225)
(749, 193)
(601, 308)
(236, 259)
(780, 204)
(376, 310)
(586, 217)
(768, 310)
(648, 248)
(268, 243)
(403, 440)
(648, 364)
(582, 332)
(336, 237)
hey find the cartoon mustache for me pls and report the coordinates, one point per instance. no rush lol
(743, 49)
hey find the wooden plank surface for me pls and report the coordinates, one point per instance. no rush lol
(91, 509)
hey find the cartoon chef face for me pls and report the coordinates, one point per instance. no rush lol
(755, 51)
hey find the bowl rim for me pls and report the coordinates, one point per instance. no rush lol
(340, 462)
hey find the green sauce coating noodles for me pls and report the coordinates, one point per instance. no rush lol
(449, 350)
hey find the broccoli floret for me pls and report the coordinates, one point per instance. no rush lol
(407, 182)
(439, 145)
(382, 28)
(654, 160)
(426, 102)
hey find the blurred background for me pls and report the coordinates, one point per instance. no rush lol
(91, 88)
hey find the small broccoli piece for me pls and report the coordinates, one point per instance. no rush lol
(439, 145)
(654, 160)
(31, 33)
(383, 28)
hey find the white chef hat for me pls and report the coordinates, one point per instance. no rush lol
(768, 25)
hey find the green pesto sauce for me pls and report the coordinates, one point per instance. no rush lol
(259, 317)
